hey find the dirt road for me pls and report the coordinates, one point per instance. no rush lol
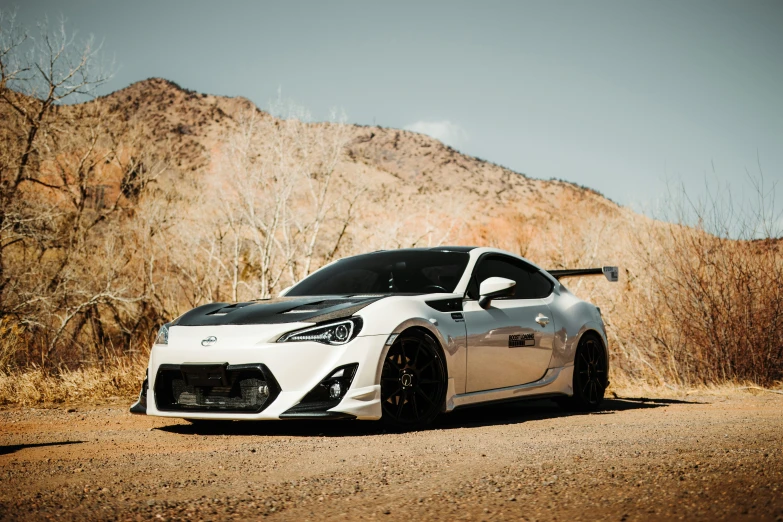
(700, 458)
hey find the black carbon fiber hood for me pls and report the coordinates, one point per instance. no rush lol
(275, 311)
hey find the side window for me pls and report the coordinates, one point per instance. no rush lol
(530, 283)
(500, 267)
(540, 286)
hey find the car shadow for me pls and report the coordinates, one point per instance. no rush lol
(538, 409)
(485, 415)
(12, 448)
(658, 401)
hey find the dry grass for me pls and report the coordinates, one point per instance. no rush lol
(35, 386)
(640, 389)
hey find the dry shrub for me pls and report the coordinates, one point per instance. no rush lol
(714, 310)
(120, 377)
(12, 341)
(642, 389)
(717, 305)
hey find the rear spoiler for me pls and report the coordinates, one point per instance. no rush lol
(611, 272)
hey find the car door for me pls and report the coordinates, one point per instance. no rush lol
(509, 343)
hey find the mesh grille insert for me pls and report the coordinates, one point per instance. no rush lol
(241, 388)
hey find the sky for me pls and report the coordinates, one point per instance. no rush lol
(629, 98)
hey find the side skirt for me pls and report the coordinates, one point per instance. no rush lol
(556, 381)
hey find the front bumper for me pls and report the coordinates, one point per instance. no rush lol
(296, 367)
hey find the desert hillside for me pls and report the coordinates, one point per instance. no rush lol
(480, 202)
(131, 208)
(196, 126)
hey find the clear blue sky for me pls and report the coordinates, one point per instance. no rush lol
(619, 96)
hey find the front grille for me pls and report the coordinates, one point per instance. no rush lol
(219, 388)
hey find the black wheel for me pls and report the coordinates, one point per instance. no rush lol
(590, 375)
(413, 382)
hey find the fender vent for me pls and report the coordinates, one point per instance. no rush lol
(446, 305)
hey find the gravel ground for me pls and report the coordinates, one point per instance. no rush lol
(706, 457)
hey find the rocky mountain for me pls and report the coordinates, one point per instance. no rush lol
(494, 205)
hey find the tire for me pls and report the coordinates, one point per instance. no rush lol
(413, 382)
(590, 375)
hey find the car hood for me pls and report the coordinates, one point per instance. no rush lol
(276, 311)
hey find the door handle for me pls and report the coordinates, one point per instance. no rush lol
(542, 320)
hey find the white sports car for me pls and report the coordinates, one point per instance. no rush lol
(398, 335)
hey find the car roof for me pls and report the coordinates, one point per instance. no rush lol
(452, 248)
(461, 249)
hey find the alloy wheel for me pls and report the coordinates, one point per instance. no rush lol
(412, 381)
(590, 380)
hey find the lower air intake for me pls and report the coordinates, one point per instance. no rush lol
(219, 388)
(326, 395)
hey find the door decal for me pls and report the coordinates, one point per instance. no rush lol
(521, 340)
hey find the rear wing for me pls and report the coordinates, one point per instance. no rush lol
(611, 272)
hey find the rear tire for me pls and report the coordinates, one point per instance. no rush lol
(413, 382)
(590, 375)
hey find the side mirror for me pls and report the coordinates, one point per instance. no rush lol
(494, 287)
(285, 291)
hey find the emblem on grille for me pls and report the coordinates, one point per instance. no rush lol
(209, 341)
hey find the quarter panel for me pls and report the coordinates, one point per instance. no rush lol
(572, 317)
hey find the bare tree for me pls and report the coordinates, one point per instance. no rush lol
(77, 268)
(36, 76)
(292, 209)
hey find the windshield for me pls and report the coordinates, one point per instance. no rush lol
(392, 272)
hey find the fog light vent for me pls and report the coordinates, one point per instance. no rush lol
(327, 394)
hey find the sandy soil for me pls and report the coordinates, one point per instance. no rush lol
(701, 458)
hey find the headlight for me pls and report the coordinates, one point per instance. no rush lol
(339, 332)
(163, 335)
